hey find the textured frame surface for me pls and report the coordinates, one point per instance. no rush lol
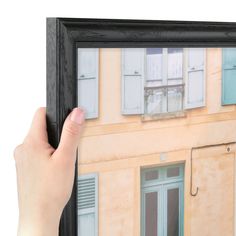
(64, 35)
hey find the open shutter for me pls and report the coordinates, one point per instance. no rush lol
(88, 81)
(133, 80)
(195, 81)
(229, 76)
(87, 205)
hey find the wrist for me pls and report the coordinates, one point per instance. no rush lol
(38, 225)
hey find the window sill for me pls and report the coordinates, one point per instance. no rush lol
(163, 116)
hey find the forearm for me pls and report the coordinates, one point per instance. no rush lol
(38, 226)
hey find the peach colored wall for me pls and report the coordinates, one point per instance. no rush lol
(116, 204)
(118, 146)
(214, 205)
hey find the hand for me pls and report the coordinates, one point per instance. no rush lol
(45, 175)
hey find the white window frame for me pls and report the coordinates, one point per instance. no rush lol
(164, 82)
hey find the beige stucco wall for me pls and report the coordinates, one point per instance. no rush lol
(118, 146)
(214, 206)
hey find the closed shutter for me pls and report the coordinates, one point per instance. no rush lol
(229, 76)
(133, 80)
(88, 81)
(87, 205)
(195, 81)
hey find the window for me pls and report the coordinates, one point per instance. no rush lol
(87, 59)
(87, 202)
(229, 76)
(162, 201)
(164, 83)
(162, 80)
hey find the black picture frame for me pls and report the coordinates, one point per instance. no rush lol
(64, 35)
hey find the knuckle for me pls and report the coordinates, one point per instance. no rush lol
(72, 129)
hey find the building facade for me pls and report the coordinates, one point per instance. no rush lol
(157, 154)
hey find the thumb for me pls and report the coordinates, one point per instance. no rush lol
(71, 132)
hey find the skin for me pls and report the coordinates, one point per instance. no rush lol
(45, 175)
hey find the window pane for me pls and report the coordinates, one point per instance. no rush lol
(175, 63)
(172, 172)
(154, 101)
(175, 99)
(150, 175)
(174, 50)
(151, 216)
(154, 51)
(154, 64)
(173, 212)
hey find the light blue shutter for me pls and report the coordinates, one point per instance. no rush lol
(87, 205)
(88, 81)
(133, 80)
(229, 76)
(195, 81)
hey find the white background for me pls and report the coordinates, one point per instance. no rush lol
(23, 64)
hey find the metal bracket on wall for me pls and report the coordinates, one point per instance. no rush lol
(195, 193)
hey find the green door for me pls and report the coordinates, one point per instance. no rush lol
(151, 209)
(173, 209)
(229, 76)
(162, 201)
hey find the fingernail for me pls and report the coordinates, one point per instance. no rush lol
(77, 115)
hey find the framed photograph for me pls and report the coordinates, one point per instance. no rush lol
(157, 155)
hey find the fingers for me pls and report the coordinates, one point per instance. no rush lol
(38, 129)
(71, 132)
